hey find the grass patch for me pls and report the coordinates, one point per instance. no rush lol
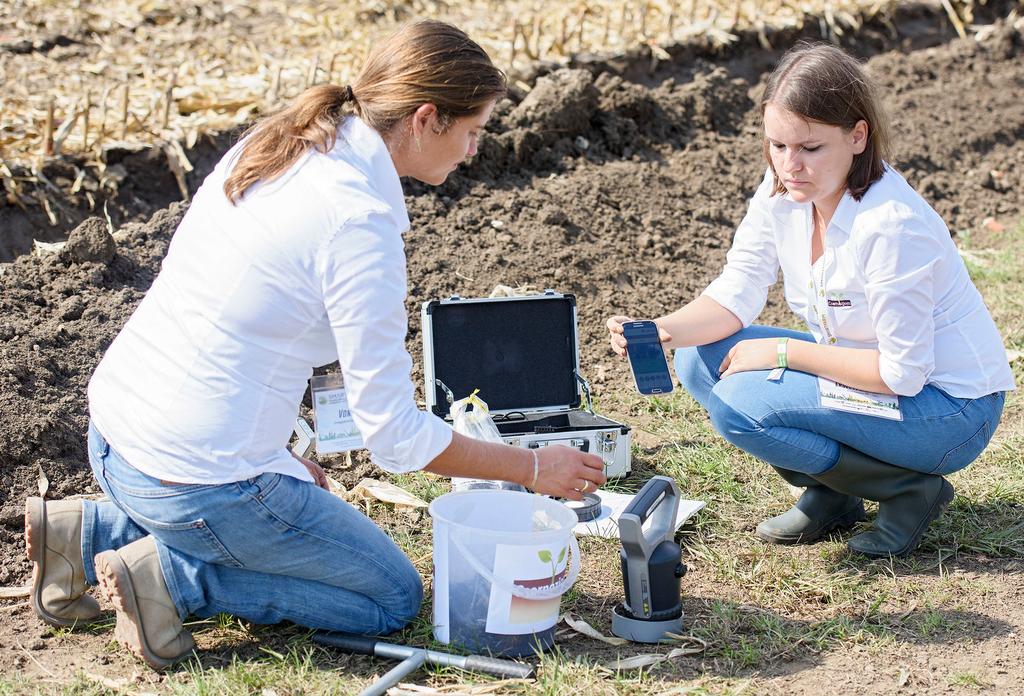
(756, 606)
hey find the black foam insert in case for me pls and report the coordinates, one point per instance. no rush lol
(520, 355)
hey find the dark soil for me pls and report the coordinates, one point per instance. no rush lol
(128, 184)
(608, 181)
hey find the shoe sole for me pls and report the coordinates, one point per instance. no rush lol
(847, 519)
(35, 548)
(941, 502)
(116, 582)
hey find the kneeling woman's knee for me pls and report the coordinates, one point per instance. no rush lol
(401, 604)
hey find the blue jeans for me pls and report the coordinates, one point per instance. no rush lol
(784, 424)
(266, 549)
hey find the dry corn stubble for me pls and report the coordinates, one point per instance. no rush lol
(210, 67)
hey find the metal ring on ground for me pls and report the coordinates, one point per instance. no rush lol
(588, 509)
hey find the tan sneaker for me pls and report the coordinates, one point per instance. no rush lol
(147, 621)
(53, 540)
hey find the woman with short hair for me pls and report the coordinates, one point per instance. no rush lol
(290, 256)
(891, 312)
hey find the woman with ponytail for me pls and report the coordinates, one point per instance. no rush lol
(290, 256)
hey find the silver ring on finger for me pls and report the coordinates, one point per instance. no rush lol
(586, 485)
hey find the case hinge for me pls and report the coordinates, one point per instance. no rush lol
(587, 399)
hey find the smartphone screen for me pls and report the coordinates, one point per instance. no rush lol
(647, 357)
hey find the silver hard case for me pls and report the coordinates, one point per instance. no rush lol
(522, 354)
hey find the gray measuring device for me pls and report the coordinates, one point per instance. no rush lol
(651, 565)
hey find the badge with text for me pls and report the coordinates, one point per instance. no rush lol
(844, 398)
(335, 429)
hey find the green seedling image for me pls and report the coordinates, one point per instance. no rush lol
(545, 556)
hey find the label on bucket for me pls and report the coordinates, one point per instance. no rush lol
(529, 567)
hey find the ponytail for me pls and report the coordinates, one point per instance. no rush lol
(425, 62)
(276, 143)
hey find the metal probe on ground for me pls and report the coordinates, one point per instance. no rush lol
(413, 658)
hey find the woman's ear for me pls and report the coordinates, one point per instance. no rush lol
(859, 137)
(423, 119)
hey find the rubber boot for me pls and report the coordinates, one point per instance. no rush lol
(147, 620)
(818, 511)
(53, 541)
(908, 501)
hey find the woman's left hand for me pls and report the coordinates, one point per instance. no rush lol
(751, 354)
(316, 471)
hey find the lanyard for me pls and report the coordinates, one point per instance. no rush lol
(819, 299)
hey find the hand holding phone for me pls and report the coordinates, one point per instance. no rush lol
(646, 357)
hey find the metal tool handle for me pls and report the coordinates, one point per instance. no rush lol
(498, 668)
(360, 645)
(396, 674)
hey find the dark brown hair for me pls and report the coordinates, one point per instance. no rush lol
(823, 83)
(424, 62)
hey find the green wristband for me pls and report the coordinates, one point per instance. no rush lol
(782, 354)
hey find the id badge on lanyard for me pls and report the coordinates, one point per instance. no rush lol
(838, 396)
(335, 428)
(819, 300)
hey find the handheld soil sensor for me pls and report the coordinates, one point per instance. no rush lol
(651, 565)
(413, 658)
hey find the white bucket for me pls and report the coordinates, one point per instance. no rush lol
(502, 561)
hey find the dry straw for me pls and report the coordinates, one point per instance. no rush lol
(174, 75)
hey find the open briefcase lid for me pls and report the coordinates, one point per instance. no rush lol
(520, 352)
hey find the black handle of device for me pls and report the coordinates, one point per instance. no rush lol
(646, 501)
(498, 668)
(360, 645)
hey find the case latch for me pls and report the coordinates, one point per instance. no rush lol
(606, 441)
(582, 381)
(447, 392)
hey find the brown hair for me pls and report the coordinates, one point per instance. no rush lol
(824, 84)
(423, 62)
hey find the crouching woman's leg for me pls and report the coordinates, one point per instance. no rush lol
(266, 549)
(850, 456)
(697, 366)
(771, 420)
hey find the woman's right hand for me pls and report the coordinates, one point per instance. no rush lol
(565, 472)
(616, 338)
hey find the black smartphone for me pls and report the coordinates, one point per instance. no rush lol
(647, 358)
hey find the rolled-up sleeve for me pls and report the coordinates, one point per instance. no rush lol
(752, 264)
(363, 276)
(900, 256)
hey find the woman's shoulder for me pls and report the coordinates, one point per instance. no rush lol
(891, 204)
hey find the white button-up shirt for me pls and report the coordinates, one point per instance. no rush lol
(204, 381)
(890, 278)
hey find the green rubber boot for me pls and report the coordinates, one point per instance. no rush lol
(818, 511)
(908, 501)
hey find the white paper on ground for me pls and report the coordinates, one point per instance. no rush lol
(843, 398)
(612, 507)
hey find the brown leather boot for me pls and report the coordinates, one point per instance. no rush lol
(147, 620)
(53, 540)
